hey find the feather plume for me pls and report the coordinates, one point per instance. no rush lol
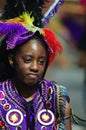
(23, 19)
(15, 8)
(53, 44)
(26, 21)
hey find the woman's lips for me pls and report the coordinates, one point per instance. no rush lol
(33, 76)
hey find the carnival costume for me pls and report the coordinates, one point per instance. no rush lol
(45, 112)
(21, 20)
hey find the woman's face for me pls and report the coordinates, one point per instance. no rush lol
(30, 62)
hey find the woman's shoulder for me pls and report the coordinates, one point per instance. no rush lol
(63, 90)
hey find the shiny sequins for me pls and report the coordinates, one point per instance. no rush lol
(14, 117)
(18, 128)
(3, 101)
(2, 96)
(43, 128)
(45, 117)
(6, 106)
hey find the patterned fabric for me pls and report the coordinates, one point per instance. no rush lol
(45, 112)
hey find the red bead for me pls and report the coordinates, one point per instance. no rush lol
(6, 107)
(48, 104)
(1, 124)
(56, 122)
(49, 91)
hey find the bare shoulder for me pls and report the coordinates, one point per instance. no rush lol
(68, 117)
(68, 109)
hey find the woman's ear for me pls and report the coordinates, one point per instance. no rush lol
(10, 59)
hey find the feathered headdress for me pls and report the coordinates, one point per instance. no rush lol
(21, 19)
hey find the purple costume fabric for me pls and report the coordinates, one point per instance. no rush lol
(17, 114)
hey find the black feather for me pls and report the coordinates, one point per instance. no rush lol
(15, 8)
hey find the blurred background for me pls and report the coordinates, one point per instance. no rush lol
(69, 68)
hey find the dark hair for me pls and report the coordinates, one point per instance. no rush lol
(6, 71)
(5, 68)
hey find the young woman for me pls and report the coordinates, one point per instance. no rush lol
(27, 100)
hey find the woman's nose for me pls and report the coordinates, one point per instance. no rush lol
(34, 66)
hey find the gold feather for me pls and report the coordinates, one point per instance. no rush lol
(27, 21)
(24, 18)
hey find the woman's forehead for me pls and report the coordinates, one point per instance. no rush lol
(33, 45)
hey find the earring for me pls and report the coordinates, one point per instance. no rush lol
(11, 64)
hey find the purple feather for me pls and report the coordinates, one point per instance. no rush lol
(15, 34)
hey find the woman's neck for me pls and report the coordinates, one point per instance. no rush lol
(26, 91)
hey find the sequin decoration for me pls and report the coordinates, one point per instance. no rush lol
(43, 128)
(14, 117)
(45, 117)
(3, 102)
(2, 124)
(18, 128)
(48, 105)
(7, 106)
(2, 96)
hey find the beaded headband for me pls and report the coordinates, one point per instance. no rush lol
(16, 30)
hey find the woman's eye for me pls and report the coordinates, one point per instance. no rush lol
(41, 62)
(26, 60)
